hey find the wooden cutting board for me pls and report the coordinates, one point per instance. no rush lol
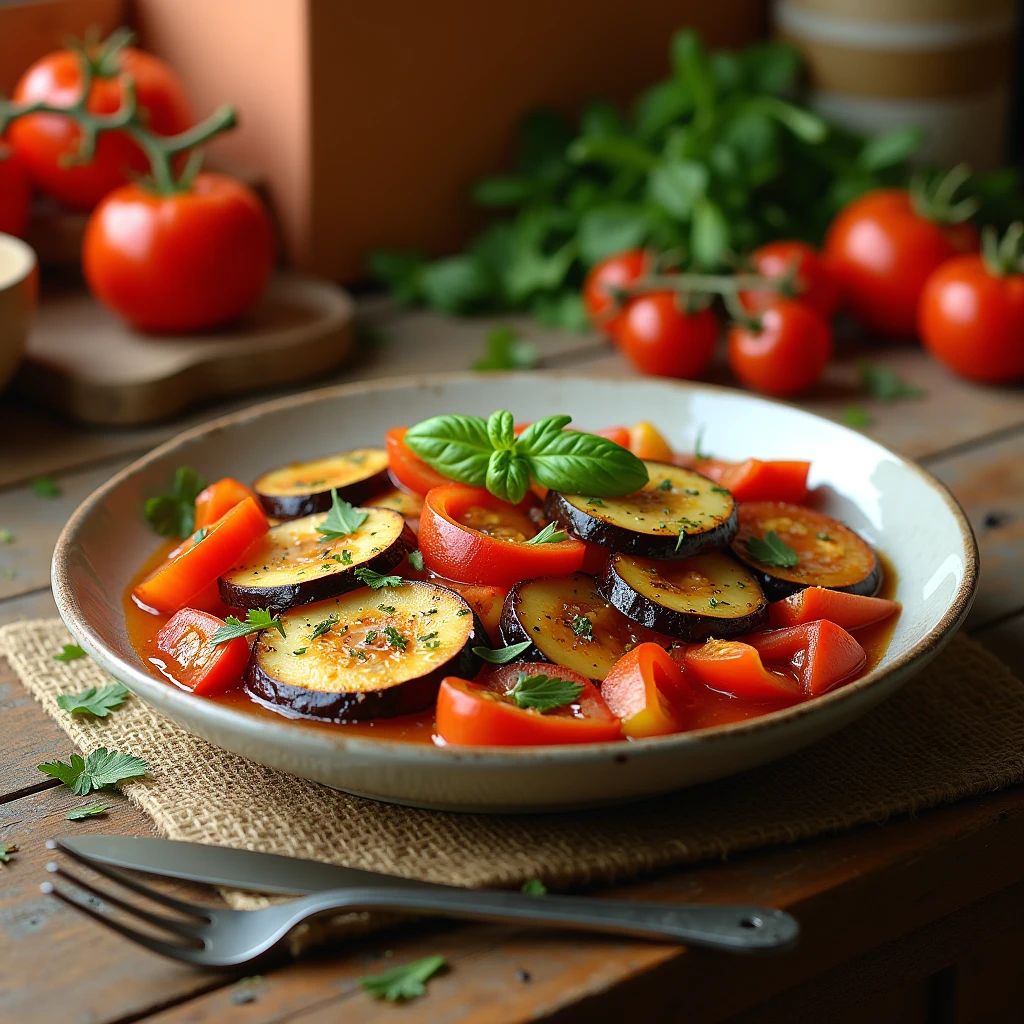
(87, 364)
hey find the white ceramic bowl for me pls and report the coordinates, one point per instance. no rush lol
(17, 302)
(896, 505)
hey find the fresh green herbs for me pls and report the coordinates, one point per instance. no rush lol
(680, 537)
(486, 453)
(542, 692)
(534, 887)
(857, 416)
(416, 559)
(6, 537)
(298, 652)
(771, 551)
(505, 350)
(583, 627)
(45, 487)
(665, 485)
(99, 769)
(342, 520)
(394, 638)
(69, 652)
(405, 982)
(387, 609)
(823, 536)
(346, 557)
(371, 635)
(884, 383)
(256, 620)
(88, 811)
(549, 535)
(324, 626)
(376, 580)
(6, 853)
(174, 514)
(501, 655)
(94, 701)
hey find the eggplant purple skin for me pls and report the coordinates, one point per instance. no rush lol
(514, 632)
(295, 506)
(778, 589)
(317, 588)
(690, 627)
(404, 698)
(587, 527)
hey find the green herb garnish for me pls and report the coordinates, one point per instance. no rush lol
(342, 520)
(771, 551)
(174, 514)
(256, 620)
(99, 769)
(346, 557)
(371, 635)
(549, 535)
(6, 537)
(88, 811)
(504, 350)
(394, 638)
(534, 887)
(416, 559)
(665, 485)
(583, 627)
(542, 692)
(885, 384)
(323, 626)
(94, 701)
(856, 416)
(823, 536)
(45, 487)
(69, 652)
(501, 655)
(376, 580)
(405, 982)
(387, 609)
(6, 853)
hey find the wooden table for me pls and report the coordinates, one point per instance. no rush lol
(917, 920)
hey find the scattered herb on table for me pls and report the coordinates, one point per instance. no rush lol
(376, 580)
(856, 416)
(505, 350)
(549, 535)
(69, 652)
(884, 383)
(501, 655)
(174, 514)
(6, 853)
(256, 620)
(97, 701)
(6, 537)
(542, 692)
(45, 487)
(88, 811)
(773, 550)
(99, 769)
(416, 559)
(342, 520)
(534, 887)
(405, 982)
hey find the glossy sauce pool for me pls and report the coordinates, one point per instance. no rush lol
(714, 708)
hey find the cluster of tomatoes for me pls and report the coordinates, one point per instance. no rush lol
(180, 259)
(887, 262)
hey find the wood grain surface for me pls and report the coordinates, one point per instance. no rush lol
(914, 921)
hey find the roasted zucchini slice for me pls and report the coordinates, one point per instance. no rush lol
(828, 554)
(302, 488)
(571, 624)
(691, 599)
(677, 514)
(294, 564)
(366, 654)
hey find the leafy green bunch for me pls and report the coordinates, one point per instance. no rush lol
(713, 161)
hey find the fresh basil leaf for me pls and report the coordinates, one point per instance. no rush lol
(531, 269)
(456, 446)
(400, 271)
(804, 124)
(773, 550)
(690, 64)
(709, 238)
(503, 191)
(501, 430)
(772, 68)
(610, 229)
(890, 148)
(456, 284)
(501, 655)
(601, 118)
(678, 186)
(508, 476)
(660, 106)
(564, 310)
(543, 692)
(612, 151)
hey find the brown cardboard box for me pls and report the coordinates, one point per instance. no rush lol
(370, 120)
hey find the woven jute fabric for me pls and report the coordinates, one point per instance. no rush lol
(956, 730)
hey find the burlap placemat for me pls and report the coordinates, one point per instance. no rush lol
(955, 731)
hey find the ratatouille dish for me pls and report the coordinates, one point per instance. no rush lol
(478, 582)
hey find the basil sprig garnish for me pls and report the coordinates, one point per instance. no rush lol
(486, 453)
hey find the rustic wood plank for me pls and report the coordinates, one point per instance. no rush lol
(37, 604)
(1005, 639)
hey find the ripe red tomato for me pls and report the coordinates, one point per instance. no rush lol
(180, 262)
(15, 194)
(814, 282)
(613, 272)
(881, 251)
(660, 339)
(46, 141)
(972, 320)
(787, 354)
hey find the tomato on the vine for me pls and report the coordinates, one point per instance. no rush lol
(971, 316)
(882, 250)
(15, 194)
(49, 143)
(186, 261)
(813, 282)
(785, 353)
(617, 271)
(660, 338)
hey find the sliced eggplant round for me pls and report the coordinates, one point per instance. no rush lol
(294, 563)
(822, 552)
(410, 505)
(569, 623)
(691, 599)
(302, 488)
(677, 514)
(366, 654)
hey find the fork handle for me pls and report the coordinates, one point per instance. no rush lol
(731, 927)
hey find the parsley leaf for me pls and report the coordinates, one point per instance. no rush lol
(342, 520)
(6, 852)
(549, 535)
(376, 580)
(583, 627)
(346, 558)
(416, 559)
(534, 887)
(256, 620)
(504, 350)
(771, 551)
(502, 655)
(45, 487)
(324, 626)
(69, 652)
(855, 416)
(100, 768)
(174, 514)
(93, 701)
(405, 982)
(543, 692)
(885, 384)
(394, 638)
(6, 537)
(89, 811)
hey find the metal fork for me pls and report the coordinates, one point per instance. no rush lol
(214, 937)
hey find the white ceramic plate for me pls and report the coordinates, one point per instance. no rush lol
(893, 503)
